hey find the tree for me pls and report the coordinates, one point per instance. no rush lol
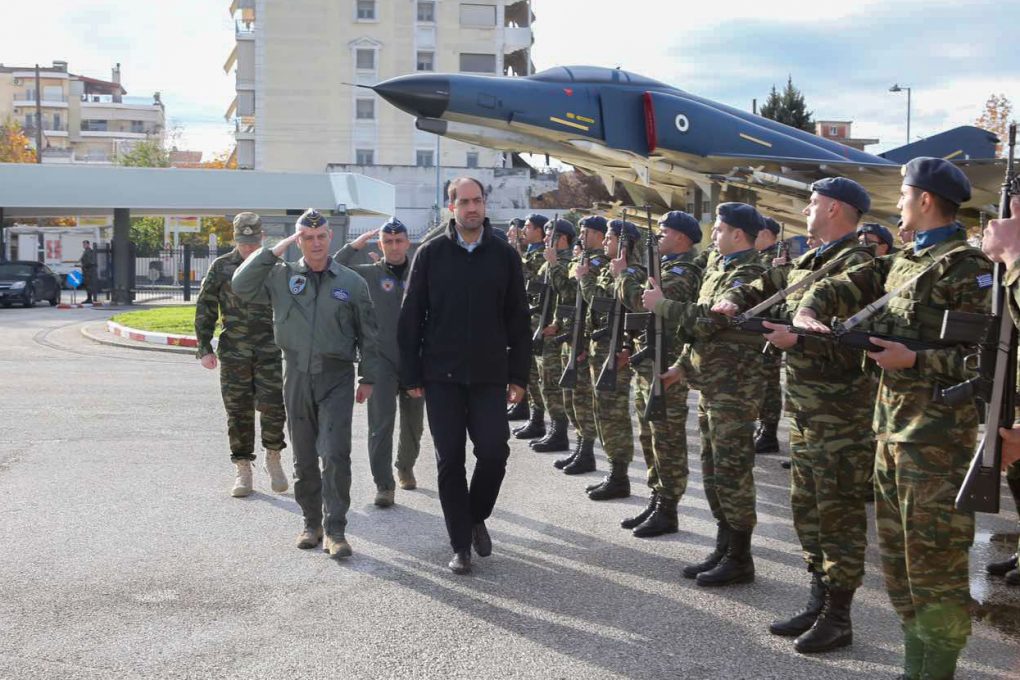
(147, 235)
(225, 160)
(15, 147)
(788, 108)
(148, 153)
(996, 119)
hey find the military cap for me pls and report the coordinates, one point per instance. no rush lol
(393, 226)
(625, 229)
(741, 216)
(678, 220)
(846, 190)
(562, 226)
(517, 222)
(595, 222)
(312, 218)
(771, 225)
(537, 220)
(939, 177)
(247, 228)
(878, 230)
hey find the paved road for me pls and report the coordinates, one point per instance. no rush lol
(123, 556)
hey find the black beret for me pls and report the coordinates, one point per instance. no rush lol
(741, 216)
(562, 226)
(537, 220)
(939, 177)
(312, 218)
(846, 190)
(678, 220)
(393, 226)
(771, 225)
(625, 229)
(517, 222)
(878, 230)
(596, 222)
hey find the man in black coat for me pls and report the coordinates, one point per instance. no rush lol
(465, 340)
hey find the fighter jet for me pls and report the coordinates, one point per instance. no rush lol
(661, 142)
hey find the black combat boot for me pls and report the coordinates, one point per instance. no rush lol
(631, 522)
(1013, 578)
(518, 411)
(584, 461)
(736, 566)
(663, 520)
(1002, 568)
(555, 440)
(804, 619)
(615, 485)
(833, 629)
(561, 463)
(722, 541)
(534, 428)
(766, 439)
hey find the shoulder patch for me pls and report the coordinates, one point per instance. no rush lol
(595, 261)
(678, 270)
(341, 294)
(297, 283)
(736, 282)
(629, 270)
(388, 284)
(984, 281)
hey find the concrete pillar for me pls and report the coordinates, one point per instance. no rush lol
(123, 264)
(699, 198)
(713, 199)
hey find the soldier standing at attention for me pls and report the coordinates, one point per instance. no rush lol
(534, 258)
(924, 445)
(386, 280)
(766, 437)
(725, 366)
(323, 321)
(250, 368)
(90, 272)
(831, 400)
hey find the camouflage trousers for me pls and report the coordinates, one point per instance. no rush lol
(666, 446)
(923, 540)
(551, 367)
(833, 460)
(581, 400)
(612, 409)
(535, 385)
(726, 425)
(771, 409)
(249, 384)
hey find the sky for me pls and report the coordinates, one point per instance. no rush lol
(843, 57)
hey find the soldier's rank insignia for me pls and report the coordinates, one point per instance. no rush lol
(297, 284)
(341, 294)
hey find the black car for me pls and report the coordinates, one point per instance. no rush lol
(27, 282)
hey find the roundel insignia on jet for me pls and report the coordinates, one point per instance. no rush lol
(388, 284)
(681, 122)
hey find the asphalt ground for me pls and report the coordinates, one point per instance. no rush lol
(123, 556)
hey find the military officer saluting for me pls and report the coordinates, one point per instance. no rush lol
(324, 322)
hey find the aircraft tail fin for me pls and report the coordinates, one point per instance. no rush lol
(959, 144)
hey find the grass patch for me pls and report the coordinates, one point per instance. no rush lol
(176, 320)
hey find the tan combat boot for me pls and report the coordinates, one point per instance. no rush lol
(277, 477)
(309, 537)
(406, 480)
(337, 547)
(242, 483)
(384, 498)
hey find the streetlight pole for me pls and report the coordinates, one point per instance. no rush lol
(897, 88)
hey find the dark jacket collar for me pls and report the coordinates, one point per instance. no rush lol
(451, 232)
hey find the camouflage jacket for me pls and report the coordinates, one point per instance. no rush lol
(598, 262)
(564, 286)
(531, 264)
(1012, 283)
(247, 327)
(766, 256)
(962, 280)
(814, 367)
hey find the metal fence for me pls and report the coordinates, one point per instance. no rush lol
(166, 274)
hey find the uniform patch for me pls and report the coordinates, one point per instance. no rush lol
(678, 270)
(736, 282)
(595, 261)
(388, 284)
(298, 283)
(629, 270)
(341, 294)
(984, 281)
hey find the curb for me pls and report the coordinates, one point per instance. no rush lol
(151, 337)
(79, 305)
(97, 330)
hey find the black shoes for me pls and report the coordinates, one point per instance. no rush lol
(584, 460)
(662, 520)
(722, 542)
(561, 463)
(615, 485)
(461, 562)
(766, 439)
(480, 540)
(833, 629)
(800, 622)
(632, 522)
(555, 440)
(1002, 568)
(518, 411)
(736, 566)
(534, 428)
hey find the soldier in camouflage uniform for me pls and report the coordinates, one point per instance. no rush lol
(766, 438)
(534, 258)
(251, 376)
(924, 445)
(666, 453)
(612, 408)
(725, 366)
(831, 400)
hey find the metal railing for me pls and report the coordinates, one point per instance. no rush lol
(29, 96)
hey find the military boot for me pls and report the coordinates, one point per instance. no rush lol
(518, 411)
(277, 477)
(615, 485)
(736, 566)
(534, 428)
(631, 522)
(803, 620)
(561, 463)
(1002, 568)
(585, 459)
(1013, 578)
(913, 654)
(766, 439)
(663, 520)
(722, 541)
(555, 440)
(242, 482)
(940, 662)
(832, 629)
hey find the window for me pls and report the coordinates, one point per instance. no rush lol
(366, 10)
(364, 157)
(478, 63)
(29, 121)
(365, 109)
(426, 12)
(472, 159)
(477, 15)
(365, 59)
(137, 126)
(425, 159)
(93, 126)
(56, 121)
(426, 61)
(833, 130)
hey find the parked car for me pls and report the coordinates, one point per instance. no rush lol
(26, 282)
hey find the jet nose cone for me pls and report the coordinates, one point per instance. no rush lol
(424, 96)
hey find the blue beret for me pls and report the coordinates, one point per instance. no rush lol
(562, 226)
(878, 230)
(517, 222)
(312, 218)
(771, 225)
(501, 235)
(537, 220)
(625, 229)
(595, 222)
(393, 226)
(741, 216)
(678, 220)
(846, 190)
(939, 177)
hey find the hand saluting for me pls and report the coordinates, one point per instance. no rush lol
(651, 297)
(619, 263)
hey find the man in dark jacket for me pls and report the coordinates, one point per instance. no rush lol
(465, 346)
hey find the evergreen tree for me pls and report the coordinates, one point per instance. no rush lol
(788, 107)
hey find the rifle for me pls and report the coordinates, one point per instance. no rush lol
(544, 307)
(782, 248)
(995, 384)
(655, 408)
(568, 380)
(607, 377)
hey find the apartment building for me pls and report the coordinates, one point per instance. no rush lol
(83, 119)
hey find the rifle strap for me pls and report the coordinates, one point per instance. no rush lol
(782, 295)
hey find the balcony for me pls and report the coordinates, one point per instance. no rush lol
(244, 30)
(516, 38)
(27, 99)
